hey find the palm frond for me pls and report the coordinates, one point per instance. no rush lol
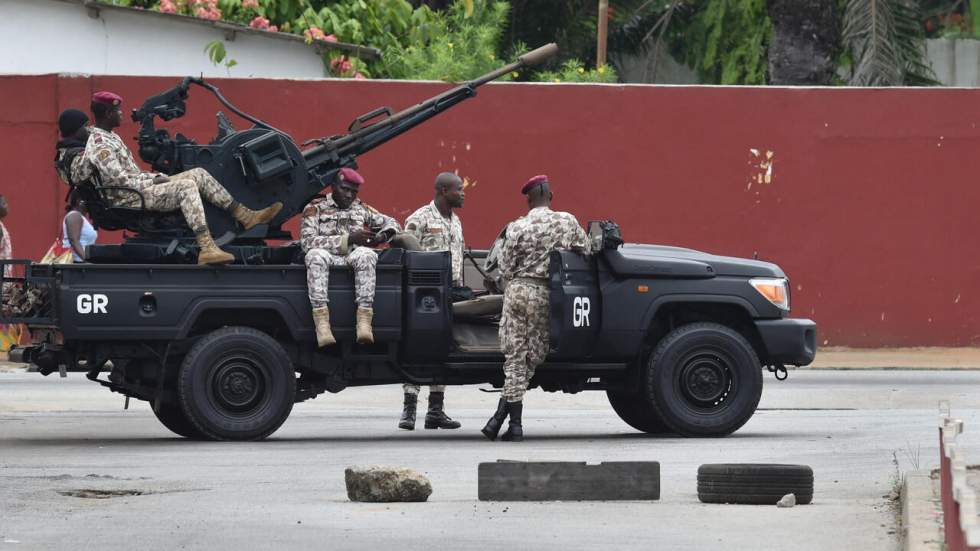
(886, 43)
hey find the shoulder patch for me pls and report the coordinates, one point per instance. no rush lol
(103, 154)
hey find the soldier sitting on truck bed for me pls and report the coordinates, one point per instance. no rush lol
(437, 228)
(107, 155)
(338, 230)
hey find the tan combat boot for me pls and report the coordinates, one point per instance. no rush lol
(324, 336)
(210, 253)
(364, 317)
(250, 218)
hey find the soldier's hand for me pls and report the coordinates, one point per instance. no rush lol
(160, 179)
(361, 237)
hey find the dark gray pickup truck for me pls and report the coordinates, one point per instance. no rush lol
(678, 339)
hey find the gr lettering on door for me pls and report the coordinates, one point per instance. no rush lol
(581, 306)
(92, 304)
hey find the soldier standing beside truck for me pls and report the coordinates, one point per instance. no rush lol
(524, 262)
(107, 156)
(337, 230)
(437, 228)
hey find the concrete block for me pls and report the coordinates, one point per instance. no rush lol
(921, 513)
(569, 481)
(941, 57)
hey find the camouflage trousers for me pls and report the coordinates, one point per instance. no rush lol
(524, 334)
(184, 192)
(409, 388)
(362, 260)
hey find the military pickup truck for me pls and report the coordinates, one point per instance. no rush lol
(678, 339)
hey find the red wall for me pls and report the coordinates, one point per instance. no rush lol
(870, 209)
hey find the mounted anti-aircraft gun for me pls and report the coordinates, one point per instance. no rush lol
(262, 164)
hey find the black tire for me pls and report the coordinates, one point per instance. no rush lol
(172, 417)
(236, 383)
(636, 411)
(704, 379)
(759, 484)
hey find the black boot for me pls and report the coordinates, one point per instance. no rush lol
(407, 421)
(435, 418)
(515, 432)
(496, 421)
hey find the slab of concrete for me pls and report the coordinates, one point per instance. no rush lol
(569, 481)
(897, 358)
(922, 528)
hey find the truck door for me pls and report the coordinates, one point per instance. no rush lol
(575, 304)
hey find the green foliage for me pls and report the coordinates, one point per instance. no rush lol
(728, 42)
(217, 53)
(885, 40)
(574, 70)
(453, 45)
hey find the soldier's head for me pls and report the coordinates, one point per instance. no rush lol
(71, 124)
(107, 110)
(538, 192)
(449, 188)
(346, 187)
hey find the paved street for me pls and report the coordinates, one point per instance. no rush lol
(858, 429)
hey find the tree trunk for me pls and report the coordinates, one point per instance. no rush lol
(804, 42)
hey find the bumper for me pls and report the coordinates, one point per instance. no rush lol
(789, 341)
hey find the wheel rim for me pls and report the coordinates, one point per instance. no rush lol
(706, 380)
(237, 385)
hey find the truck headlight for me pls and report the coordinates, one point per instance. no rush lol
(776, 290)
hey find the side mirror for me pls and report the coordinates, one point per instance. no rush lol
(605, 234)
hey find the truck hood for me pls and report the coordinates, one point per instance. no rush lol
(661, 260)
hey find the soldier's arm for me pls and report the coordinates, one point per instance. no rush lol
(80, 169)
(415, 226)
(505, 259)
(100, 156)
(577, 239)
(310, 238)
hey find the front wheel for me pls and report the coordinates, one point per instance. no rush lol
(236, 383)
(704, 379)
(636, 411)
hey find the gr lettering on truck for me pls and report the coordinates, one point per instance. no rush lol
(92, 304)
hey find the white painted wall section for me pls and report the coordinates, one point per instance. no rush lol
(56, 36)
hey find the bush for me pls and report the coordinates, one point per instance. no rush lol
(574, 70)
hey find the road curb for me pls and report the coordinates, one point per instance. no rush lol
(921, 513)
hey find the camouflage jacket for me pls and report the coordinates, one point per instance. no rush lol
(326, 226)
(67, 158)
(107, 155)
(436, 233)
(531, 238)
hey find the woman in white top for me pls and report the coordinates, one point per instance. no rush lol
(77, 231)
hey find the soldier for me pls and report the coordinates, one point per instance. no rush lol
(524, 326)
(437, 228)
(107, 155)
(74, 135)
(336, 231)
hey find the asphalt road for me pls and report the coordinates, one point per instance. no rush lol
(857, 429)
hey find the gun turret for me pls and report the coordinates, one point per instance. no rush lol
(261, 164)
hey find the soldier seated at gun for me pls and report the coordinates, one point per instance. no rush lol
(339, 230)
(106, 155)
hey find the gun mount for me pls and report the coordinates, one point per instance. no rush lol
(262, 164)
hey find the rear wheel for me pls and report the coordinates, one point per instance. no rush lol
(236, 383)
(704, 379)
(636, 411)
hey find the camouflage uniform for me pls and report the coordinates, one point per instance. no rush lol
(437, 233)
(524, 261)
(106, 154)
(323, 236)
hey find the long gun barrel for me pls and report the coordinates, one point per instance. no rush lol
(341, 150)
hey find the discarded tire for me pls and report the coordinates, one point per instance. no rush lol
(759, 484)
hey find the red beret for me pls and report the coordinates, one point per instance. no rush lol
(350, 175)
(106, 98)
(537, 180)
